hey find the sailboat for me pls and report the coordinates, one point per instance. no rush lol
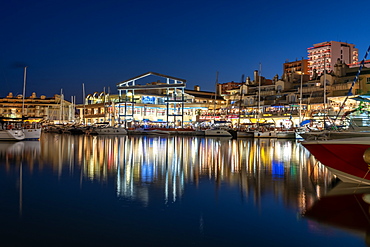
(264, 130)
(31, 126)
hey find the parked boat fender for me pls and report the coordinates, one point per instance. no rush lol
(366, 157)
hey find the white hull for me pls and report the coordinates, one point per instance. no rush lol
(32, 134)
(265, 134)
(158, 132)
(286, 134)
(330, 135)
(11, 135)
(217, 132)
(244, 134)
(111, 131)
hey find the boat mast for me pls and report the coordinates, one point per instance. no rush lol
(325, 98)
(214, 102)
(259, 92)
(324, 86)
(84, 101)
(24, 88)
(241, 96)
(61, 115)
(300, 97)
(105, 107)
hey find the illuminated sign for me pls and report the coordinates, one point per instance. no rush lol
(148, 99)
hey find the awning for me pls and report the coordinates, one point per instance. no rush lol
(360, 98)
(305, 122)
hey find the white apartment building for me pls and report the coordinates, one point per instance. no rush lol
(325, 55)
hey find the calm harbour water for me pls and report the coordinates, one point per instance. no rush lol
(164, 191)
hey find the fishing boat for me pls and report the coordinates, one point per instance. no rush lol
(348, 159)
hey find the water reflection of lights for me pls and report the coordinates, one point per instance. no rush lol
(143, 164)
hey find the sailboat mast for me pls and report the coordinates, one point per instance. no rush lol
(214, 102)
(324, 83)
(241, 96)
(61, 106)
(83, 98)
(300, 96)
(24, 88)
(259, 90)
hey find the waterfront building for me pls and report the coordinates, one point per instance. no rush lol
(50, 109)
(153, 103)
(323, 56)
(294, 97)
(286, 101)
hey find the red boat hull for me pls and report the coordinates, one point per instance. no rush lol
(345, 159)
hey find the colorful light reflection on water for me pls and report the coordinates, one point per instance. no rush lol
(163, 191)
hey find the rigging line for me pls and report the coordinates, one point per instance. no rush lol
(362, 209)
(361, 181)
(353, 83)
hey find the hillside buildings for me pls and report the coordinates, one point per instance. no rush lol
(323, 56)
(302, 91)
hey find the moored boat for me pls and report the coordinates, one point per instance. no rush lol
(217, 132)
(111, 130)
(330, 135)
(265, 134)
(344, 157)
(244, 134)
(11, 133)
(32, 131)
(286, 134)
(30, 127)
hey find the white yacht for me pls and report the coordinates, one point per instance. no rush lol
(8, 133)
(217, 132)
(32, 131)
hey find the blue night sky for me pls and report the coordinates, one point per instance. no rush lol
(100, 43)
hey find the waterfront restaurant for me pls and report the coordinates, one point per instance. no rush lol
(162, 104)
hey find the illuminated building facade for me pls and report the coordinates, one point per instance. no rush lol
(223, 88)
(53, 109)
(324, 56)
(298, 66)
(156, 103)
